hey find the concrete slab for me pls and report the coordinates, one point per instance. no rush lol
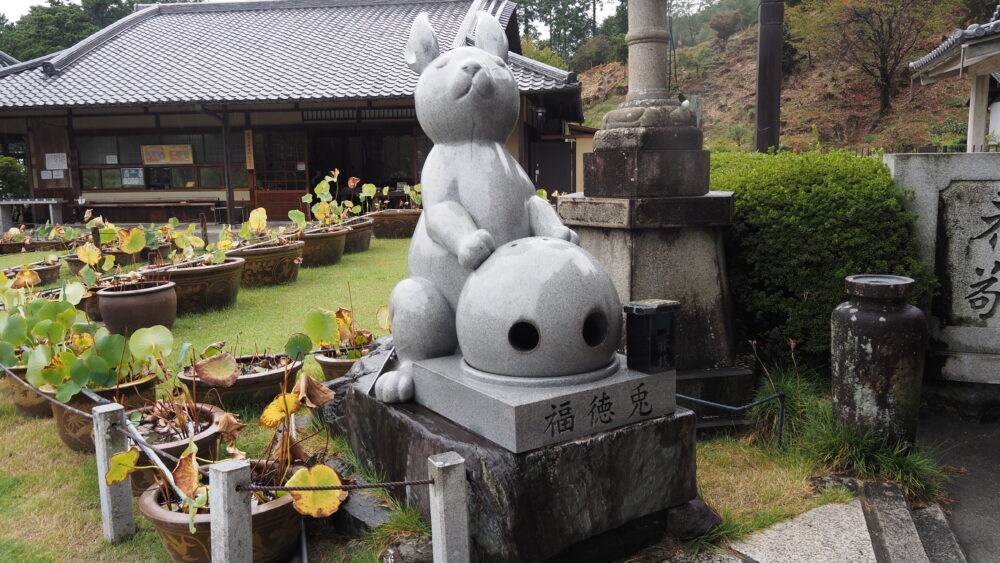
(834, 533)
(975, 514)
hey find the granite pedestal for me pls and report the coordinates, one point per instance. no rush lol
(534, 505)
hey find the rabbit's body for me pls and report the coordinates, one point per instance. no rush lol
(476, 195)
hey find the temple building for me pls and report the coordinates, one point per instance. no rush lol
(142, 120)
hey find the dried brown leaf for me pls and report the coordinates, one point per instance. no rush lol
(229, 426)
(312, 393)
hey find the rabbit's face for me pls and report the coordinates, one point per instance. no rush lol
(468, 93)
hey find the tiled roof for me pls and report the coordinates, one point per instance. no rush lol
(246, 52)
(955, 42)
(7, 60)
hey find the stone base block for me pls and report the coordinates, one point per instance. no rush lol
(645, 173)
(533, 505)
(649, 138)
(512, 413)
(714, 209)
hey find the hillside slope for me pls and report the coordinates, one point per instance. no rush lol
(821, 98)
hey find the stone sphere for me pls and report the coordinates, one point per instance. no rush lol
(539, 307)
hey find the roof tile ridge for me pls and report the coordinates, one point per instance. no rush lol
(248, 5)
(72, 54)
(545, 69)
(27, 65)
(7, 59)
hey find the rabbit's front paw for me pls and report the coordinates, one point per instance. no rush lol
(475, 248)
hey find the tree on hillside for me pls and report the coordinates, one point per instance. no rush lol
(533, 49)
(725, 24)
(978, 11)
(569, 22)
(876, 37)
(46, 29)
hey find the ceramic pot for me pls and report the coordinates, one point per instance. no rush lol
(360, 237)
(395, 223)
(46, 274)
(11, 247)
(270, 265)
(43, 245)
(91, 304)
(26, 401)
(255, 386)
(205, 287)
(333, 367)
(127, 308)
(275, 526)
(324, 248)
(75, 430)
(206, 440)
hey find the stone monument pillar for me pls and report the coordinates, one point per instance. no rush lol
(648, 216)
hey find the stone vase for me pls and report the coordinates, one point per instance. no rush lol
(205, 287)
(395, 223)
(324, 248)
(360, 236)
(877, 348)
(127, 308)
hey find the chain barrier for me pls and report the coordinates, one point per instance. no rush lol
(388, 485)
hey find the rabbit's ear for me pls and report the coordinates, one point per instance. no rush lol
(422, 47)
(490, 37)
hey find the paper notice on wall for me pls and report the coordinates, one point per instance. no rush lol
(46, 174)
(55, 161)
(111, 159)
(58, 174)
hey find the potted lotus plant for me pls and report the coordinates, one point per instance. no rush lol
(219, 376)
(125, 245)
(325, 238)
(338, 340)
(272, 255)
(42, 272)
(180, 505)
(399, 223)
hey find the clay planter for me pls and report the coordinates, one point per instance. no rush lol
(91, 304)
(324, 248)
(270, 265)
(262, 386)
(75, 430)
(333, 367)
(395, 223)
(26, 401)
(129, 307)
(275, 526)
(121, 259)
(206, 440)
(42, 245)
(360, 237)
(47, 274)
(11, 247)
(205, 287)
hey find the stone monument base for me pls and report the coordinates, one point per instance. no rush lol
(534, 505)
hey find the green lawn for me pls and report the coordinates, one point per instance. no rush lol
(49, 508)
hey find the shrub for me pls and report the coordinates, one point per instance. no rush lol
(725, 23)
(803, 222)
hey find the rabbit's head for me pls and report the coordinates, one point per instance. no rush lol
(468, 93)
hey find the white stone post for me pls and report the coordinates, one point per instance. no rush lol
(117, 519)
(232, 532)
(978, 101)
(449, 508)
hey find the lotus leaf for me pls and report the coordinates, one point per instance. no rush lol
(121, 465)
(317, 504)
(298, 346)
(89, 254)
(283, 406)
(221, 370)
(151, 342)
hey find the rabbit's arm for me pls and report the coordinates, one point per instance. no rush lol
(451, 226)
(545, 223)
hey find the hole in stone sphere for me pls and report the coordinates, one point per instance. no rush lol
(523, 336)
(595, 329)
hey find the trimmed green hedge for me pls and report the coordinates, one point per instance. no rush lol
(804, 221)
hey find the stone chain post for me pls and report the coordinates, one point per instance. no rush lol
(232, 532)
(449, 508)
(117, 519)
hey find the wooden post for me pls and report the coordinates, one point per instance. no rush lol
(232, 532)
(204, 228)
(95, 233)
(978, 100)
(117, 519)
(449, 508)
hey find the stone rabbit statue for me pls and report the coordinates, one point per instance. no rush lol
(476, 195)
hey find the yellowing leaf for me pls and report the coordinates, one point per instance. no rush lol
(26, 278)
(258, 220)
(82, 341)
(186, 474)
(317, 504)
(229, 426)
(225, 244)
(382, 318)
(345, 323)
(89, 254)
(132, 240)
(312, 393)
(121, 465)
(281, 407)
(221, 370)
